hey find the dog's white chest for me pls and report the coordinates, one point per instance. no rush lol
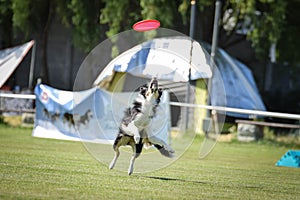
(143, 119)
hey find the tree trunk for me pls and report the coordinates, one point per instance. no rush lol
(45, 68)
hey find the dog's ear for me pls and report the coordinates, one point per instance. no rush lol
(143, 90)
(160, 91)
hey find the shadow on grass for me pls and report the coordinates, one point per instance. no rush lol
(174, 179)
(281, 143)
(288, 142)
(239, 185)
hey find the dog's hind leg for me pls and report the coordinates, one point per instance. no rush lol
(113, 162)
(133, 157)
(136, 151)
(119, 141)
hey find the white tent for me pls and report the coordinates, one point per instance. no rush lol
(177, 59)
(10, 59)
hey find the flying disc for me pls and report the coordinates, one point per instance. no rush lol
(146, 25)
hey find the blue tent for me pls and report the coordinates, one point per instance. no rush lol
(238, 82)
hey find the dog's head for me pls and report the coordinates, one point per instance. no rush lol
(151, 92)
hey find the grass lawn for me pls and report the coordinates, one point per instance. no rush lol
(34, 168)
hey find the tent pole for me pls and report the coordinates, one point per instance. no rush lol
(192, 28)
(193, 17)
(32, 63)
(213, 48)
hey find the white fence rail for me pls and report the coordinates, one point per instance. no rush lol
(238, 110)
(216, 108)
(17, 96)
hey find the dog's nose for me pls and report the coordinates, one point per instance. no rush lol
(154, 83)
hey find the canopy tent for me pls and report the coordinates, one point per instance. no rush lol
(11, 58)
(168, 58)
(180, 59)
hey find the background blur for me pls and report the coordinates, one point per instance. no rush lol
(250, 30)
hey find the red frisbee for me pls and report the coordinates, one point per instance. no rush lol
(146, 25)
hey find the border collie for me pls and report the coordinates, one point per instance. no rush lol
(134, 125)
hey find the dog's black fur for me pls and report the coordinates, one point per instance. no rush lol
(133, 129)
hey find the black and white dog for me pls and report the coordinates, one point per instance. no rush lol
(134, 125)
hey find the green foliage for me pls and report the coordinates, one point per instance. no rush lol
(29, 16)
(6, 21)
(90, 19)
(268, 27)
(85, 20)
(63, 11)
(157, 9)
(289, 43)
(113, 14)
(5, 11)
(267, 20)
(32, 15)
(119, 15)
(21, 14)
(183, 8)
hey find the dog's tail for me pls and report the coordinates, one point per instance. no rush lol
(168, 152)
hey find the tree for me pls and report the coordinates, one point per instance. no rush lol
(289, 44)
(85, 23)
(265, 20)
(5, 22)
(27, 17)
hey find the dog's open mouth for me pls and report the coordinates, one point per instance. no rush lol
(153, 86)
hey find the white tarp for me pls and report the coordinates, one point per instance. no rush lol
(92, 115)
(10, 59)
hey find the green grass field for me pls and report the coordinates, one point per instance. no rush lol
(34, 168)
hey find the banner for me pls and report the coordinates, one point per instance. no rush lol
(92, 115)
